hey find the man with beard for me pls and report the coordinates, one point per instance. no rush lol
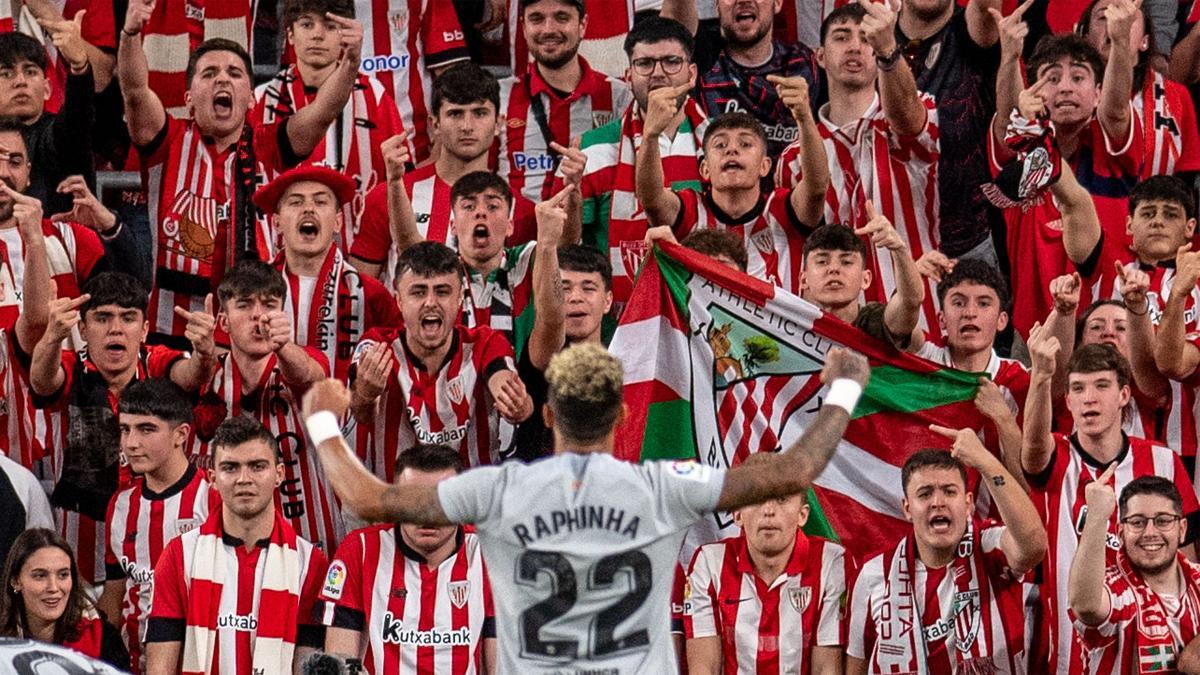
(1142, 611)
(331, 304)
(660, 55)
(951, 52)
(77, 393)
(236, 594)
(554, 100)
(433, 380)
(948, 597)
(738, 80)
(200, 172)
(465, 122)
(353, 143)
(1058, 466)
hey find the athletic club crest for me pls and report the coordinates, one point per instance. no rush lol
(763, 241)
(966, 618)
(800, 596)
(459, 591)
(455, 389)
(398, 20)
(633, 252)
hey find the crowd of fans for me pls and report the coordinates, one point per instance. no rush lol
(206, 208)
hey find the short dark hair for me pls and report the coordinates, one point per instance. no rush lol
(735, 120)
(428, 259)
(218, 45)
(851, 13)
(11, 124)
(1150, 485)
(294, 9)
(1081, 322)
(719, 242)
(428, 458)
(930, 458)
(478, 182)
(1163, 188)
(974, 271)
(463, 84)
(1098, 358)
(577, 4)
(249, 278)
(1054, 48)
(114, 288)
(587, 260)
(157, 397)
(17, 47)
(833, 237)
(239, 429)
(654, 29)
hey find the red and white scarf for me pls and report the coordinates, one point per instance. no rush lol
(278, 592)
(1152, 616)
(943, 644)
(337, 311)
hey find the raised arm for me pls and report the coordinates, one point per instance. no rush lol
(307, 127)
(683, 11)
(1086, 590)
(1173, 354)
(898, 96)
(808, 194)
(661, 204)
(1140, 335)
(1185, 67)
(192, 374)
(549, 323)
(1038, 444)
(48, 16)
(903, 309)
(1080, 223)
(144, 111)
(323, 405)
(46, 375)
(1024, 538)
(297, 367)
(1009, 80)
(980, 25)
(990, 401)
(37, 288)
(402, 221)
(1114, 111)
(572, 165)
(793, 471)
(1064, 292)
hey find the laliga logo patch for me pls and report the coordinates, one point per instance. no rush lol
(335, 579)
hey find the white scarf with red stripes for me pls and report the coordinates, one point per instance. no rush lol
(337, 310)
(278, 591)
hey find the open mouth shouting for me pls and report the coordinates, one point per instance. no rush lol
(222, 104)
(940, 524)
(308, 229)
(430, 326)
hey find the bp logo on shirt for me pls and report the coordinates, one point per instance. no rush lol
(335, 579)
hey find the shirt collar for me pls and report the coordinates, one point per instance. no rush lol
(587, 82)
(412, 554)
(234, 542)
(455, 339)
(173, 489)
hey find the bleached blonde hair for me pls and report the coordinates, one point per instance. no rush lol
(585, 384)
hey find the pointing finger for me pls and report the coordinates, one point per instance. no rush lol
(208, 304)
(1108, 474)
(76, 302)
(944, 431)
(183, 313)
(871, 213)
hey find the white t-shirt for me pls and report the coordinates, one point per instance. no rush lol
(581, 554)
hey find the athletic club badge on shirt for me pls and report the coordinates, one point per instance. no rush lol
(800, 596)
(459, 592)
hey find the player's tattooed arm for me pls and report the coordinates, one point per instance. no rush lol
(792, 472)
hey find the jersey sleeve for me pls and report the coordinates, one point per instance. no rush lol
(700, 599)
(685, 490)
(160, 359)
(112, 567)
(373, 240)
(59, 398)
(497, 355)
(474, 496)
(310, 632)
(1122, 608)
(688, 218)
(442, 35)
(678, 608)
(1129, 152)
(1187, 494)
(168, 606)
(341, 603)
(831, 613)
(1189, 131)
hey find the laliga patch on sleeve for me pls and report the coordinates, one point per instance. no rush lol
(335, 579)
(690, 469)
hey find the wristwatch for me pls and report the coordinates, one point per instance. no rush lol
(888, 63)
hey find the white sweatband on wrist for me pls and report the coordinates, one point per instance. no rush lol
(322, 426)
(844, 393)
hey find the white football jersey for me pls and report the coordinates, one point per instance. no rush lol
(581, 553)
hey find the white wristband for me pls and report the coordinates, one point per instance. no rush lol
(322, 426)
(844, 393)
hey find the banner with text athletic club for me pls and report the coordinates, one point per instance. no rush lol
(719, 365)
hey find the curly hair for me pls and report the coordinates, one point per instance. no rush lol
(585, 383)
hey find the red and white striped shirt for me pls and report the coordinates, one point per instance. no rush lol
(869, 162)
(1058, 493)
(525, 158)
(18, 439)
(239, 612)
(70, 416)
(773, 235)
(416, 619)
(452, 406)
(767, 627)
(140, 524)
(1117, 646)
(982, 625)
(304, 498)
(190, 187)
(403, 42)
(72, 251)
(352, 144)
(1165, 111)
(174, 31)
(611, 20)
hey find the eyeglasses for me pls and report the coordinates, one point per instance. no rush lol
(1163, 521)
(670, 64)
